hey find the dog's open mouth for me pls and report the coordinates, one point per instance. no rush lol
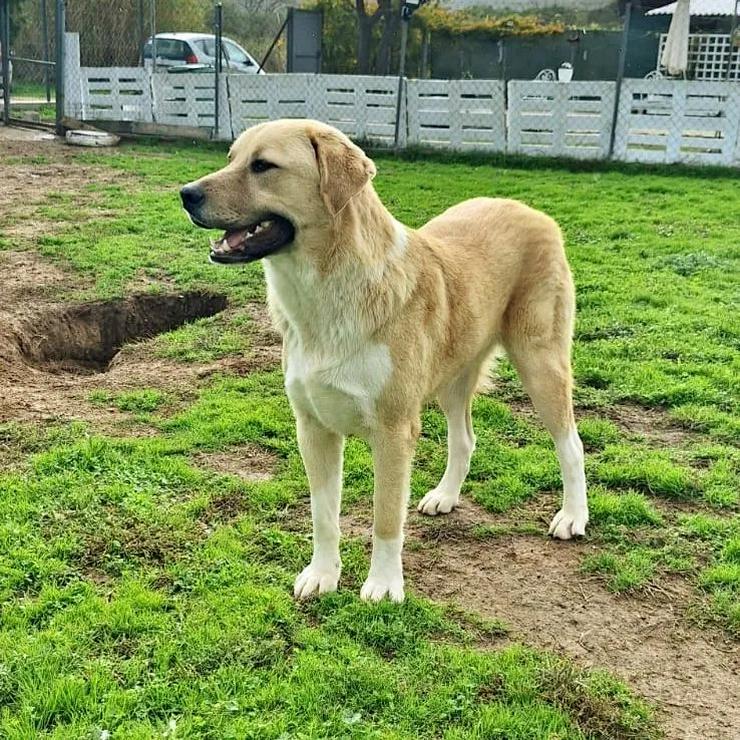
(256, 241)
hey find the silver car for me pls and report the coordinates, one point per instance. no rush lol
(198, 50)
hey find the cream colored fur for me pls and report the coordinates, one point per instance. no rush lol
(377, 319)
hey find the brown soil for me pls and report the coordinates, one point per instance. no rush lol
(28, 280)
(85, 338)
(35, 167)
(653, 425)
(249, 462)
(51, 363)
(535, 585)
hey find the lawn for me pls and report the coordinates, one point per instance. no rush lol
(145, 594)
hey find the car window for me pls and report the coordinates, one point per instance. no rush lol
(207, 46)
(236, 54)
(167, 49)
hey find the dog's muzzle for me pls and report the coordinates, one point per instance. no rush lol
(258, 240)
(247, 244)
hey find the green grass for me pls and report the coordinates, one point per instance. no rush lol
(128, 605)
(628, 509)
(720, 539)
(32, 89)
(656, 312)
(142, 401)
(205, 340)
(145, 596)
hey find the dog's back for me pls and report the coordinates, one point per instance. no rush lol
(505, 258)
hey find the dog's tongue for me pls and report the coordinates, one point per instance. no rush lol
(235, 238)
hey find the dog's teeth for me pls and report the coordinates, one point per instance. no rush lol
(265, 224)
(258, 228)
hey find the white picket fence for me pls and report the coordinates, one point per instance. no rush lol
(571, 119)
(677, 121)
(456, 114)
(363, 107)
(657, 121)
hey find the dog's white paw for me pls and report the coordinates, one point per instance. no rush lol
(568, 524)
(316, 580)
(376, 588)
(438, 502)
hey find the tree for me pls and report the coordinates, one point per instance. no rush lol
(254, 24)
(365, 25)
(391, 15)
(360, 36)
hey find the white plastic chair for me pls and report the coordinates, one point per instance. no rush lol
(546, 75)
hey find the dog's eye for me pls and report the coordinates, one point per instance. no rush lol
(262, 165)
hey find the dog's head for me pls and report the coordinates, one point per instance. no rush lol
(283, 180)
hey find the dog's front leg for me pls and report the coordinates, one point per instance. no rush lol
(321, 450)
(393, 450)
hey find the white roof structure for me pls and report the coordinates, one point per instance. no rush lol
(699, 7)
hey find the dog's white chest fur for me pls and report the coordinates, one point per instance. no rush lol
(341, 392)
(332, 370)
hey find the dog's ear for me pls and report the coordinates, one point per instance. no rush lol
(344, 169)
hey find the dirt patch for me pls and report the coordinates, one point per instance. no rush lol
(248, 462)
(38, 169)
(653, 424)
(113, 545)
(31, 288)
(535, 586)
(28, 281)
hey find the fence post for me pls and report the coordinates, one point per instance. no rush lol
(59, 27)
(620, 74)
(288, 18)
(5, 43)
(733, 29)
(217, 28)
(45, 44)
(401, 76)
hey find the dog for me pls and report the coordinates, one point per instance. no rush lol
(377, 319)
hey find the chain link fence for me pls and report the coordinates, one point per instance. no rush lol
(28, 49)
(124, 33)
(165, 61)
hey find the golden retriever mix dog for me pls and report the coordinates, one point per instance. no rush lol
(378, 318)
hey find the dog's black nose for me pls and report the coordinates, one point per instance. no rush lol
(192, 196)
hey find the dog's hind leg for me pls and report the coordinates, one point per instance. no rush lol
(544, 368)
(455, 402)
